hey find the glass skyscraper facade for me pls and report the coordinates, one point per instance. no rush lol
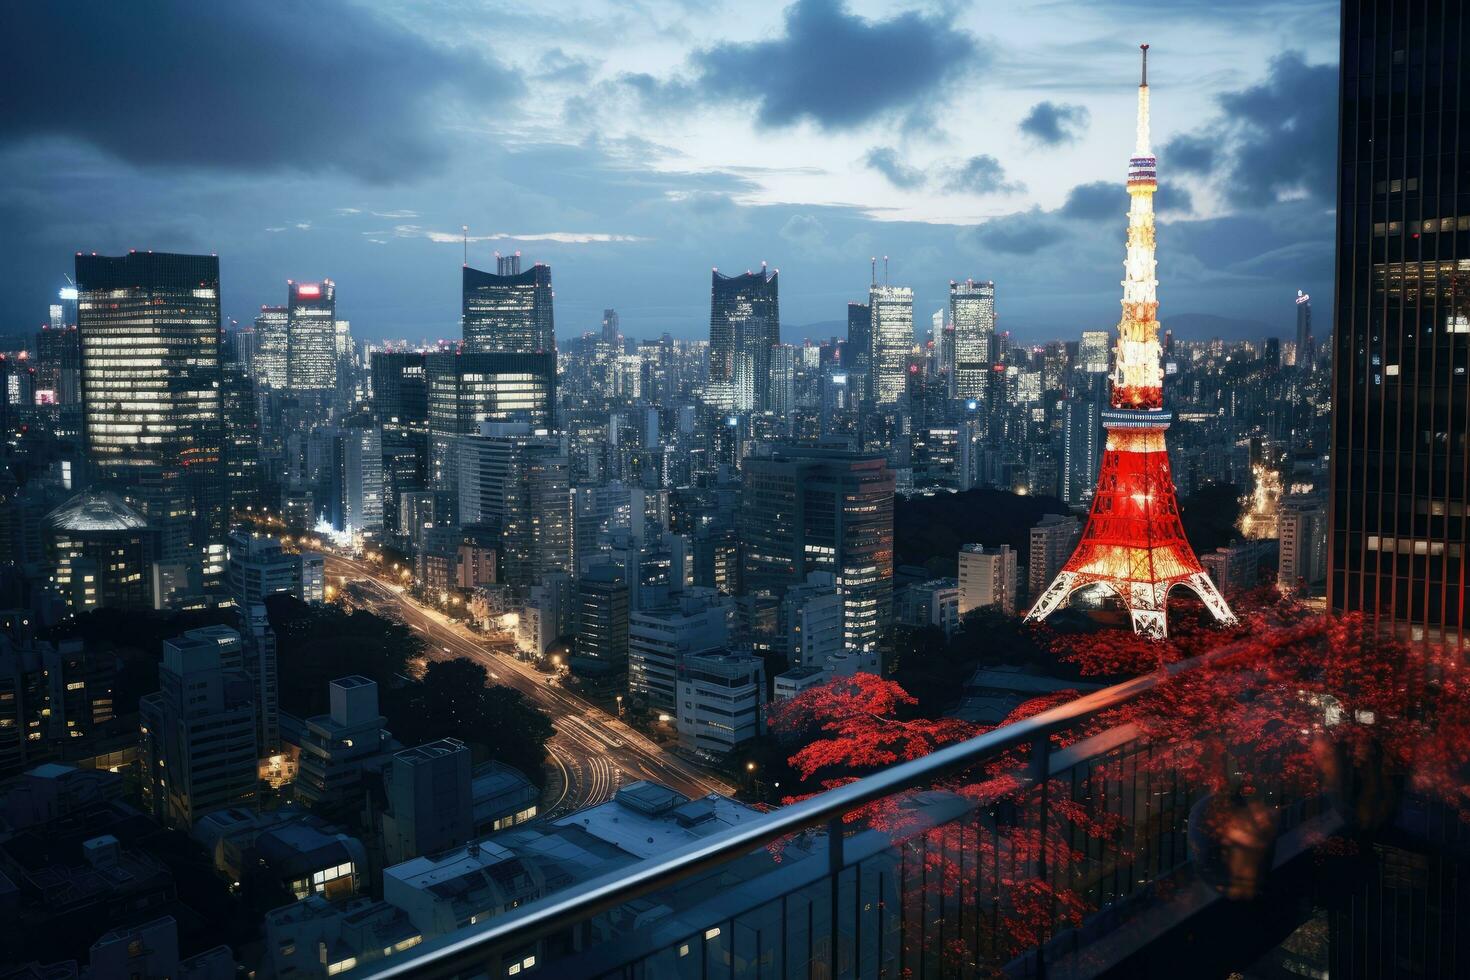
(1401, 395)
(809, 510)
(972, 311)
(311, 358)
(744, 324)
(892, 338)
(149, 328)
(464, 390)
(272, 347)
(508, 314)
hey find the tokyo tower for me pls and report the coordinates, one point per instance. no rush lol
(1134, 544)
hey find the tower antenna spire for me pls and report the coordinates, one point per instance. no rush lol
(465, 230)
(875, 270)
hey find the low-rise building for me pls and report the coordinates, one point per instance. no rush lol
(721, 700)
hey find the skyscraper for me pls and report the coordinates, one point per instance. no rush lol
(744, 324)
(1306, 347)
(467, 389)
(972, 310)
(151, 387)
(272, 346)
(509, 311)
(806, 510)
(519, 484)
(610, 327)
(1398, 504)
(892, 338)
(311, 338)
(859, 345)
(401, 406)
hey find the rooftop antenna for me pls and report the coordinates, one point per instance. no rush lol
(465, 230)
(885, 270)
(875, 270)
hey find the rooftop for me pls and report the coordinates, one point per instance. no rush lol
(96, 510)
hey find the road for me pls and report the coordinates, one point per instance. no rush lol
(592, 753)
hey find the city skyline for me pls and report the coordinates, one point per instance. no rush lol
(1035, 550)
(630, 212)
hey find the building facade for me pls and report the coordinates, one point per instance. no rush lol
(1399, 417)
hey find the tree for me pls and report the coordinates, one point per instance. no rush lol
(854, 726)
(456, 700)
(315, 645)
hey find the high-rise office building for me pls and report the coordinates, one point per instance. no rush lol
(311, 338)
(519, 484)
(610, 327)
(58, 364)
(972, 311)
(149, 326)
(601, 642)
(1399, 426)
(1082, 438)
(467, 389)
(744, 324)
(1094, 351)
(401, 407)
(1306, 346)
(242, 439)
(272, 346)
(859, 344)
(892, 338)
(806, 510)
(508, 312)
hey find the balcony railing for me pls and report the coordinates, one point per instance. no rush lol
(805, 891)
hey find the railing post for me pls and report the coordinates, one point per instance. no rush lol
(834, 873)
(1040, 772)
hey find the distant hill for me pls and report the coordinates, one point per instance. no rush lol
(1208, 326)
(930, 530)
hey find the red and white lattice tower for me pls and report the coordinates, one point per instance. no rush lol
(1134, 544)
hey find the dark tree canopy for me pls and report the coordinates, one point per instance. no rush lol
(929, 531)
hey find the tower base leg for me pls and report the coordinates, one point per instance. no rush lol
(1051, 600)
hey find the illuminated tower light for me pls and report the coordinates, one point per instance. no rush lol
(1134, 544)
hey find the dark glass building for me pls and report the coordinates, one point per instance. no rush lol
(1401, 396)
(401, 408)
(510, 313)
(808, 510)
(149, 327)
(744, 324)
(859, 337)
(242, 438)
(58, 364)
(464, 390)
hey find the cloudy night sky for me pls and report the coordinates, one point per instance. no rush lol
(633, 145)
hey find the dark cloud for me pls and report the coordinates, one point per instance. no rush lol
(884, 159)
(1053, 123)
(321, 86)
(1190, 154)
(1274, 141)
(830, 67)
(1096, 201)
(981, 174)
(1022, 233)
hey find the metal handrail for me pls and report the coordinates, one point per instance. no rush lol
(457, 951)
